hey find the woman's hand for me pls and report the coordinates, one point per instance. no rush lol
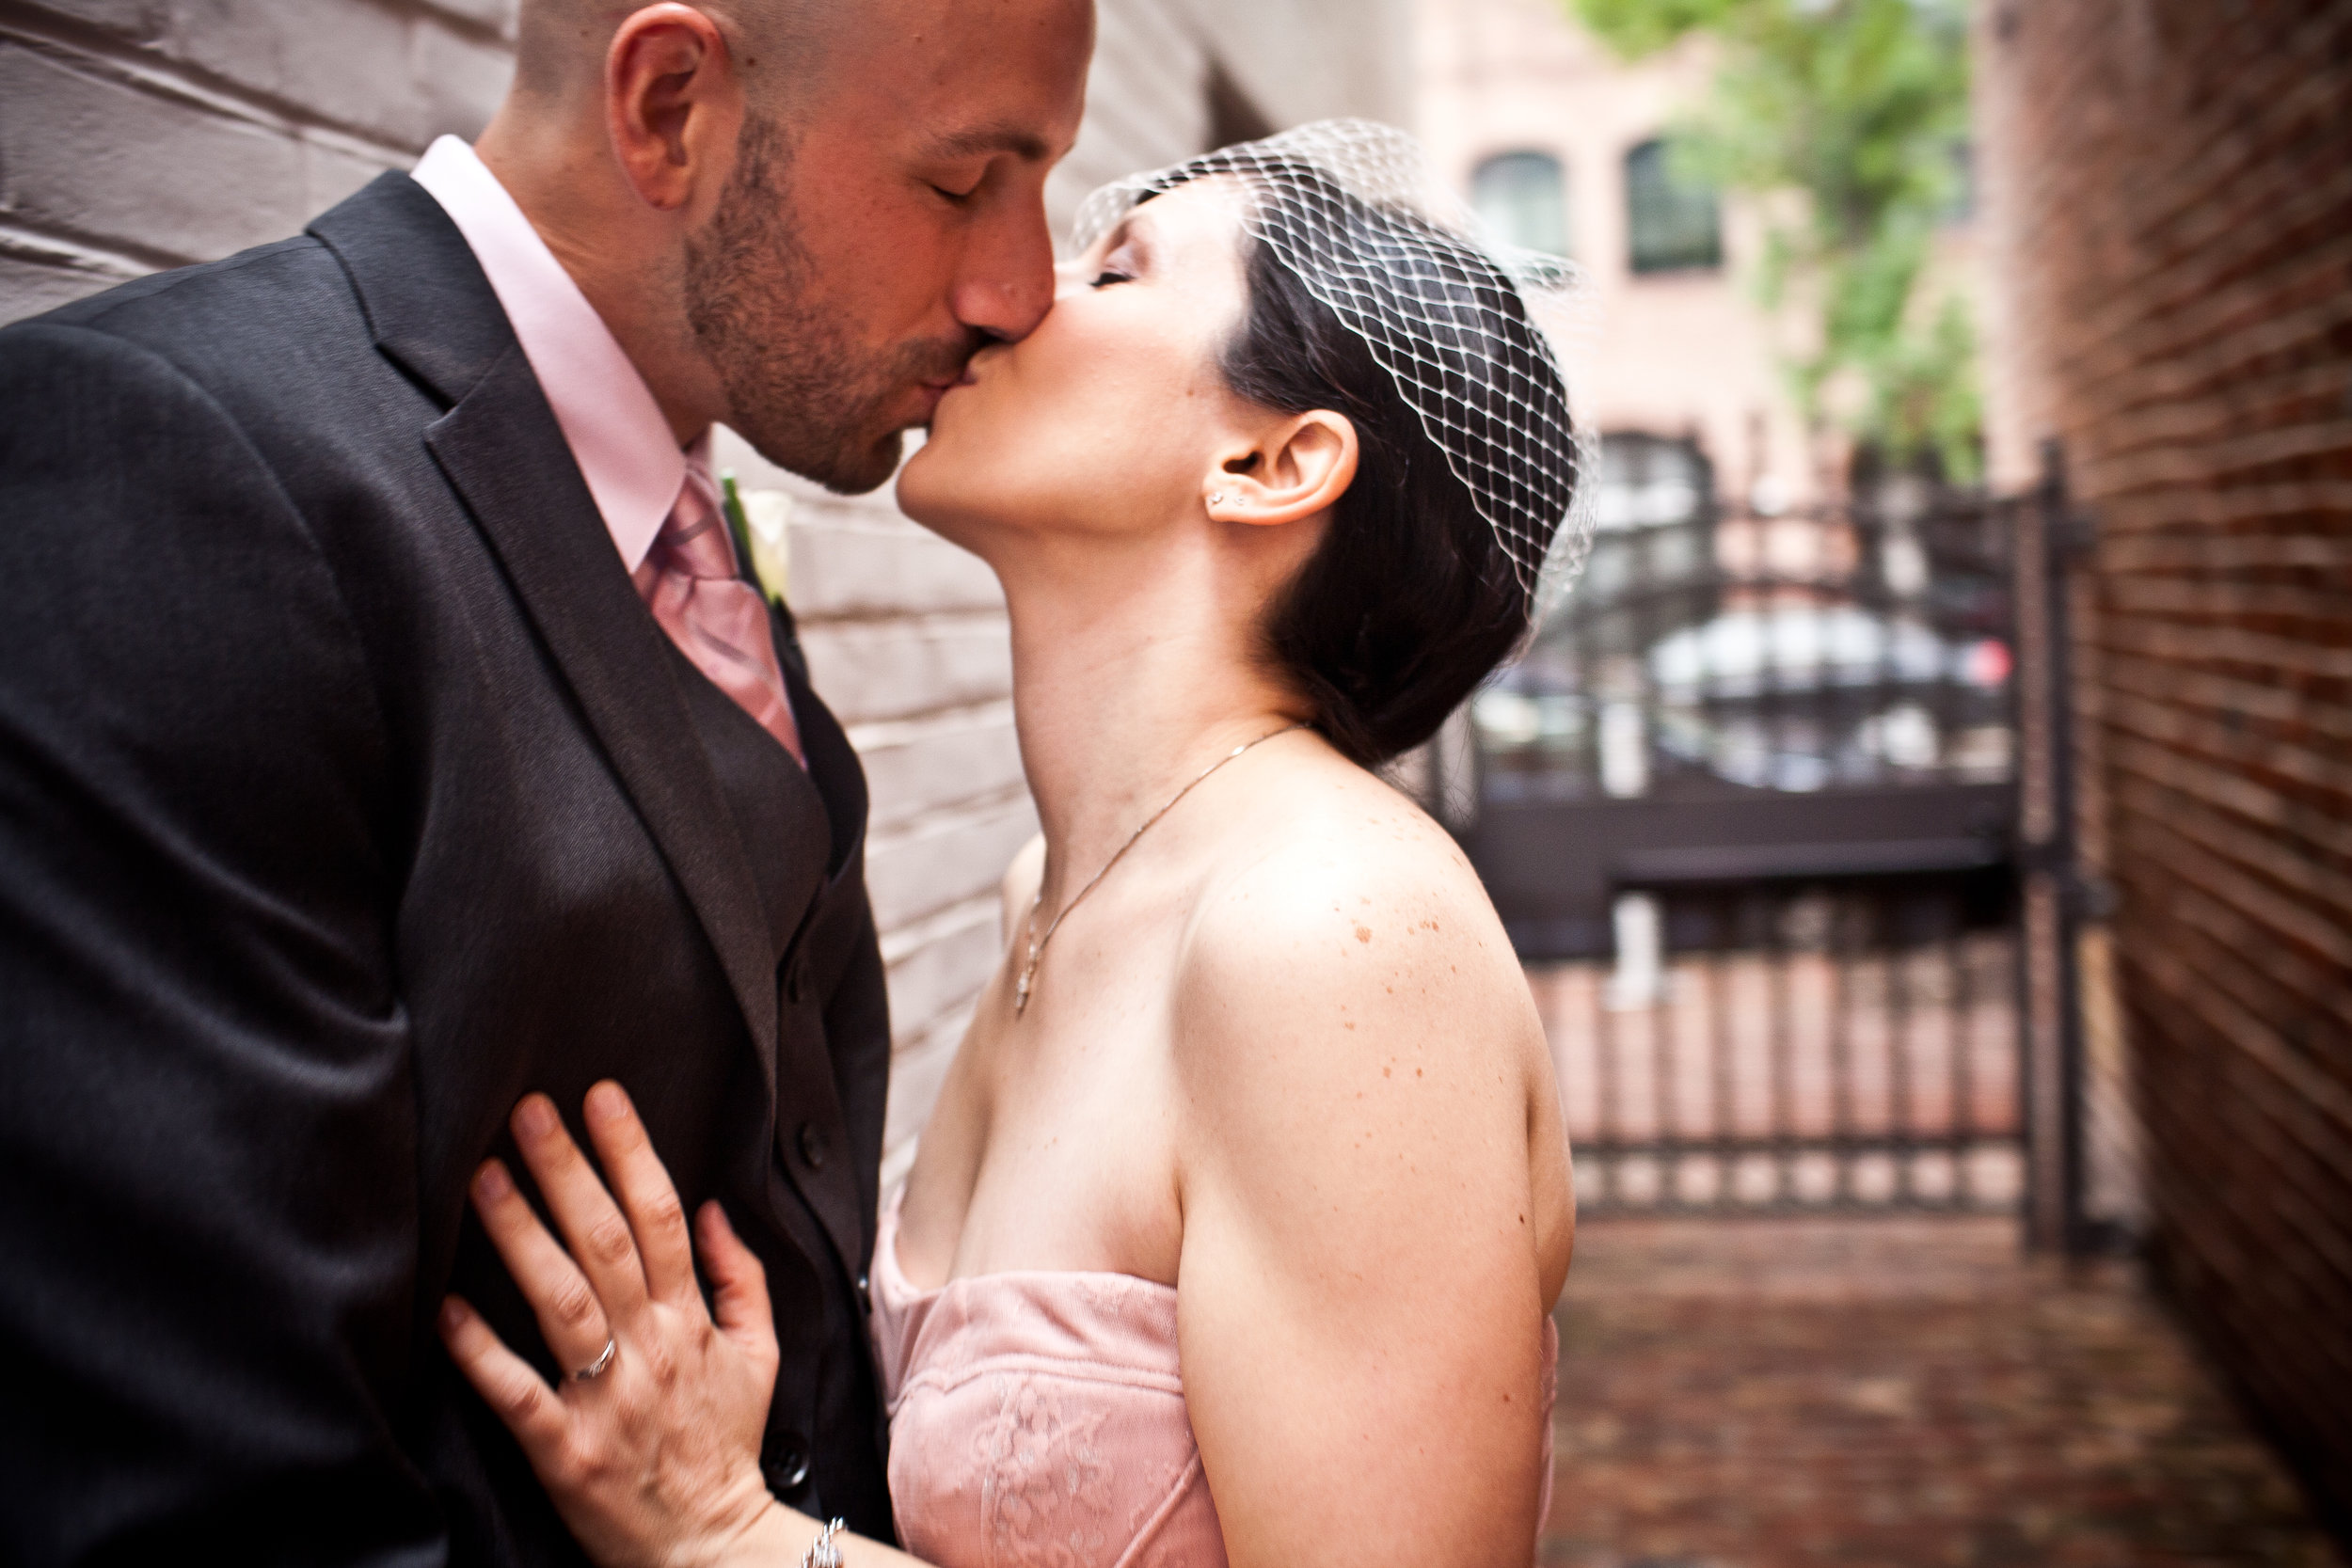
(655, 1459)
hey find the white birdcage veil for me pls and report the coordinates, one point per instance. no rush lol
(1466, 328)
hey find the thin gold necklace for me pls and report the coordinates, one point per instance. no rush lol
(1037, 943)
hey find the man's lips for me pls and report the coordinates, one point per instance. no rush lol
(933, 389)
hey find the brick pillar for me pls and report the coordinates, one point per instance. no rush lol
(2175, 179)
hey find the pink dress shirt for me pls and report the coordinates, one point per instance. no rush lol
(615, 429)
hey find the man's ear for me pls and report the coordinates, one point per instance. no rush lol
(673, 105)
(1299, 468)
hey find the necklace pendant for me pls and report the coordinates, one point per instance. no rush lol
(1021, 992)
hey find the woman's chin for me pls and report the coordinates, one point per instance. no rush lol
(926, 493)
(914, 492)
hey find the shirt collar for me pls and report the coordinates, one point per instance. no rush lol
(609, 416)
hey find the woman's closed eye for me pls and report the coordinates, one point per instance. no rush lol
(1123, 260)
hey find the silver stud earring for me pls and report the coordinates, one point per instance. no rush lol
(1216, 498)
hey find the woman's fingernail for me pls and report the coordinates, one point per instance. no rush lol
(536, 1116)
(607, 1103)
(491, 1182)
(452, 1315)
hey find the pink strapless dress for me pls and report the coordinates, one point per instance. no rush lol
(1037, 1420)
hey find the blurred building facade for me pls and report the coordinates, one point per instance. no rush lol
(1558, 143)
(1725, 520)
(136, 134)
(2168, 194)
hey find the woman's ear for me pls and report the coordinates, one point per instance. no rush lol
(671, 103)
(1301, 468)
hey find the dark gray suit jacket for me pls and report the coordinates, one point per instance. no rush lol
(348, 792)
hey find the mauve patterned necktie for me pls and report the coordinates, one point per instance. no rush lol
(688, 579)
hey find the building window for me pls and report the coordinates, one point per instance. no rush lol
(1671, 224)
(1523, 198)
(1650, 481)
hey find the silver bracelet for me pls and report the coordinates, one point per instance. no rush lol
(821, 1552)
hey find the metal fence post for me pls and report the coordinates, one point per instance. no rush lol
(2050, 1016)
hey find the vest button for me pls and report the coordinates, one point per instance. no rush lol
(789, 1470)
(813, 1145)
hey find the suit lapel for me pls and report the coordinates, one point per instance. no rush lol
(434, 314)
(505, 455)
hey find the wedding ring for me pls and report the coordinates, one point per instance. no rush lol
(595, 1368)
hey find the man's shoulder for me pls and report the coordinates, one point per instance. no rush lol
(207, 304)
(278, 316)
(158, 294)
(288, 319)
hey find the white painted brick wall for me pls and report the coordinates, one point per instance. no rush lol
(139, 134)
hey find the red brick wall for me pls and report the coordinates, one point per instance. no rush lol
(2173, 180)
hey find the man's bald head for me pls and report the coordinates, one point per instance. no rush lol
(561, 45)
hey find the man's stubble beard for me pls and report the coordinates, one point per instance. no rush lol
(799, 387)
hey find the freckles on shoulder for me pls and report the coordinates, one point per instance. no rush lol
(1354, 929)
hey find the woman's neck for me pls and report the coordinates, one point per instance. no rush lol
(1126, 686)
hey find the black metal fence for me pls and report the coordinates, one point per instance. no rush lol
(1751, 808)
(1797, 1045)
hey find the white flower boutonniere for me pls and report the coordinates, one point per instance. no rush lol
(761, 522)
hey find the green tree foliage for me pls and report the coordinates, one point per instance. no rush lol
(1861, 106)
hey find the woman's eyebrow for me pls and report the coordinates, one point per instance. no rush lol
(1134, 229)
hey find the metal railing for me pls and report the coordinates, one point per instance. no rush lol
(1810, 1045)
(1778, 814)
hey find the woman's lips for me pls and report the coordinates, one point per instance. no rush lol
(932, 391)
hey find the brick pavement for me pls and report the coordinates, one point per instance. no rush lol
(1895, 1391)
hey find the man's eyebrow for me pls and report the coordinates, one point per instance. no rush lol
(1002, 136)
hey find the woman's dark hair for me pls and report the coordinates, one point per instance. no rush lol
(1411, 599)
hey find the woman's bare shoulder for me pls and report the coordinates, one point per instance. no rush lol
(1357, 1052)
(1338, 852)
(1342, 914)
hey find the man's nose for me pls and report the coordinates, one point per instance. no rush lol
(1008, 282)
